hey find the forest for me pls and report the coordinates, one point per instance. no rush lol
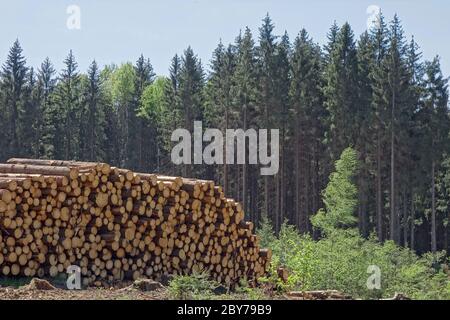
(373, 92)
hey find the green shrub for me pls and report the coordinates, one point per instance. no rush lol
(341, 259)
(197, 286)
(245, 291)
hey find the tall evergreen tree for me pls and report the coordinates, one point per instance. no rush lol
(67, 111)
(13, 82)
(339, 92)
(245, 95)
(392, 89)
(436, 120)
(267, 75)
(29, 119)
(364, 117)
(46, 86)
(307, 110)
(142, 148)
(281, 93)
(218, 107)
(380, 44)
(191, 93)
(93, 118)
(172, 117)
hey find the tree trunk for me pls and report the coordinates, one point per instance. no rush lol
(244, 166)
(433, 209)
(225, 167)
(379, 193)
(405, 220)
(297, 172)
(412, 241)
(393, 218)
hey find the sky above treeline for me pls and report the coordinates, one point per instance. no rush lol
(115, 31)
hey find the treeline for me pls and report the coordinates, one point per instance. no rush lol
(374, 93)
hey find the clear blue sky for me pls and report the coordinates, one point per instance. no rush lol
(118, 31)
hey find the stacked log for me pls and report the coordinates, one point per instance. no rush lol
(116, 224)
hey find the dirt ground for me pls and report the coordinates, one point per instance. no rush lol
(89, 294)
(43, 290)
(144, 289)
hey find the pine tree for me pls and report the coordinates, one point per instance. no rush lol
(307, 110)
(281, 93)
(436, 118)
(412, 176)
(13, 82)
(191, 83)
(171, 118)
(340, 196)
(380, 44)
(244, 91)
(396, 82)
(218, 104)
(340, 98)
(46, 86)
(364, 117)
(332, 38)
(67, 112)
(29, 119)
(142, 146)
(93, 118)
(267, 73)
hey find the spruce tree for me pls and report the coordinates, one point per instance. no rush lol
(13, 82)
(379, 35)
(244, 91)
(67, 109)
(339, 92)
(191, 83)
(142, 146)
(46, 86)
(394, 93)
(305, 127)
(218, 104)
(267, 75)
(281, 93)
(365, 117)
(93, 118)
(30, 119)
(436, 120)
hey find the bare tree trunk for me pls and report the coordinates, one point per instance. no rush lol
(140, 144)
(405, 220)
(244, 167)
(412, 241)
(379, 194)
(277, 204)
(315, 182)
(225, 167)
(433, 209)
(307, 198)
(282, 180)
(297, 173)
(393, 218)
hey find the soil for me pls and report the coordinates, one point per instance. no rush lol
(89, 294)
(43, 290)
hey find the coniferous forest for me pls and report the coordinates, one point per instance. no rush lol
(373, 92)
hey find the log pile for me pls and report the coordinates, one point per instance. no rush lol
(116, 224)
